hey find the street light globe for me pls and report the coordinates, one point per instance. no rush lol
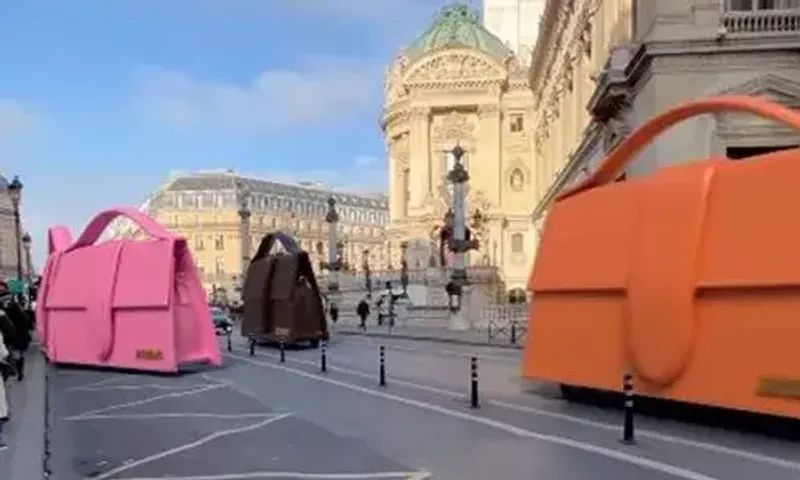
(15, 190)
(26, 240)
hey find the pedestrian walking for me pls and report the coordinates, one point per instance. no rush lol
(20, 340)
(7, 370)
(362, 310)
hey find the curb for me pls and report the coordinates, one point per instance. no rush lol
(430, 338)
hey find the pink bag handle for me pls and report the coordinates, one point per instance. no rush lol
(95, 229)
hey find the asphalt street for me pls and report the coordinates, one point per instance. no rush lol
(259, 418)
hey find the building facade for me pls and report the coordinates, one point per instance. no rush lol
(652, 56)
(458, 84)
(515, 22)
(8, 236)
(203, 208)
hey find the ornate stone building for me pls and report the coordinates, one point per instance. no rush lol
(515, 22)
(574, 42)
(8, 237)
(202, 207)
(645, 57)
(458, 84)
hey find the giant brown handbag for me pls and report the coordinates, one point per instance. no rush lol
(281, 297)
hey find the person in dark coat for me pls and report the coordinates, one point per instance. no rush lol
(19, 338)
(362, 310)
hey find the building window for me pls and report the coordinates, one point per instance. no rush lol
(201, 271)
(199, 245)
(219, 242)
(516, 123)
(219, 267)
(517, 243)
(740, 153)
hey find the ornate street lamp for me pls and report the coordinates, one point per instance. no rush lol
(26, 244)
(243, 202)
(404, 268)
(334, 263)
(459, 243)
(15, 192)
(367, 274)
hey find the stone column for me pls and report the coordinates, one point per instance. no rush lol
(243, 200)
(419, 155)
(395, 181)
(489, 119)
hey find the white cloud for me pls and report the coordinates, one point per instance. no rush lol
(365, 174)
(15, 118)
(319, 91)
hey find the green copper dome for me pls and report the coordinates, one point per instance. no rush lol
(456, 26)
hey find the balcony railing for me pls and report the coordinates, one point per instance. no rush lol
(760, 22)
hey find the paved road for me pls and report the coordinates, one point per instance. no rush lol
(260, 415)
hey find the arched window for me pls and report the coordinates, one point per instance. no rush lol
(517, 243)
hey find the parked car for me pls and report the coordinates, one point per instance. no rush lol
(222, 321)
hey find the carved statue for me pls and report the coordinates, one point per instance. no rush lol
(517, 179)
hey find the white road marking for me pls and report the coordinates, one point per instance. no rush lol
(148, 386)
(189, 446)
(300, 475)
(642, 462)
(98, 383)
(455, 353)
(146, 400)
(711, 447)
(148, 416)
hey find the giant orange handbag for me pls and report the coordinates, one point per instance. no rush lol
(689, 277)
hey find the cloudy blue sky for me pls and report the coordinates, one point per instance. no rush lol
(100, 100)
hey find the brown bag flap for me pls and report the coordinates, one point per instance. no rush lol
(284, 281)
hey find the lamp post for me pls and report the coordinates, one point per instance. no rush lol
(334, 263)
(404, 268)
(243, 201)
(367, 274)
(458, 242)
(15, 192)
(26, 244)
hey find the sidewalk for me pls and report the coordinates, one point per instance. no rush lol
(436, 334)
(25, 431)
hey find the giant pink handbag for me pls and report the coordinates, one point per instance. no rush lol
(132, 304)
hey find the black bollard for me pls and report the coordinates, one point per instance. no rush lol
(252, 347)
(282, 347)
(382, 368)
(323, 360)
(628, 394)
(513, 333)
(230, 343)
(473, 387)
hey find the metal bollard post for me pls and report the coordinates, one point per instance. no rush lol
(252, 347)
(230, 343)
(628, 406)
(382, 368)
(513, 333)
(282, 347)
(473, 388)
(323, 360)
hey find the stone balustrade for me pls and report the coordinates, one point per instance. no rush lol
(760, 22)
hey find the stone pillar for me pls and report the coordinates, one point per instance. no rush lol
(419, 155)
(395, 182)
(489, 119)
(243, 201)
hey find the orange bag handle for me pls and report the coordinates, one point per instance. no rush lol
(623, 154)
